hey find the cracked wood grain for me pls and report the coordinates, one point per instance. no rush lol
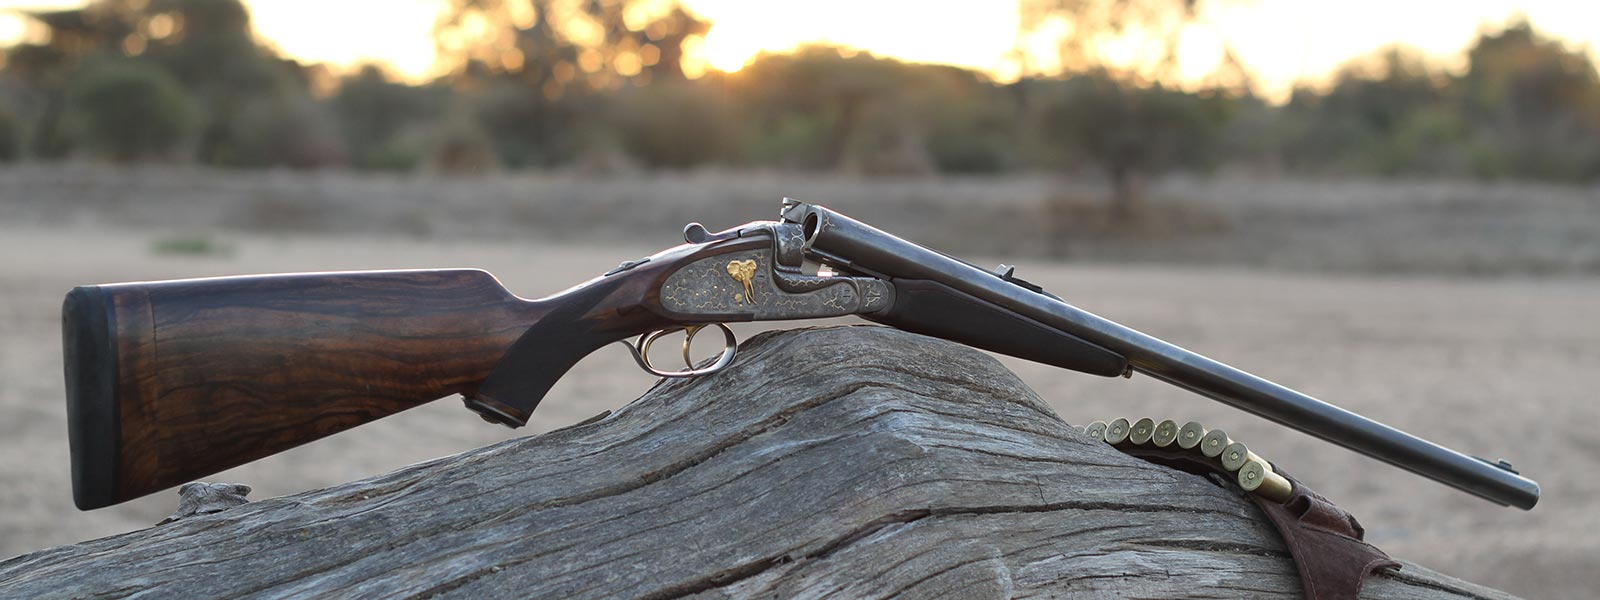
(850, 462)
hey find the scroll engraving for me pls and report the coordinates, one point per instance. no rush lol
(726, 285)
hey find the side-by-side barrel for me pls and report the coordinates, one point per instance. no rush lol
(836, 238)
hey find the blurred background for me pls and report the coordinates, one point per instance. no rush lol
(1393, 206)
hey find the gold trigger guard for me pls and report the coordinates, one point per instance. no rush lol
(641, 351)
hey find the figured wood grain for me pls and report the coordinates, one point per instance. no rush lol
(213, 373)
(851, 462)
(137, 385)
(218, 372)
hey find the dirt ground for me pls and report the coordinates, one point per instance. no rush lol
(1498, 367)
(1361, 226)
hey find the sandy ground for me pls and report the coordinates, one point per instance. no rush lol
(1459, 227)
(1499, 368)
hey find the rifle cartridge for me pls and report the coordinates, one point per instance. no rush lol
(1255, 476)
(1166, 433)
(1190, 434)
(1142, 430)
(1117, 431)
(1214, 442)
(1096, 431)
(1235, 455)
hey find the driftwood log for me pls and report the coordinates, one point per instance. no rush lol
(846, 462)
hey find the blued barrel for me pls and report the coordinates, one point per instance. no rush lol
(837, 237)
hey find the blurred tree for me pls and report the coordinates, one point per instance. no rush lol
(129, 111)
(74, 35)
(287, 130)
(675, 124)
(804, 107)
(527, 129)
(1117, 113)
(246, 90)
(825, 108)
(461, 146)
(1526, 107)
(1128, 130)
(208, 46)
(10, 136)
(381, 119)
(541, 71)
(557, 44)
(1252, 138)
(1386, 113)
(973, 125)
(1082, 30)
(1534, 105)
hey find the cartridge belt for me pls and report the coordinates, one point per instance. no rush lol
(1326, 541)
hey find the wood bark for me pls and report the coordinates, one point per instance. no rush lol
(850, 462)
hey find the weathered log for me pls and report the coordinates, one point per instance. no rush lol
(848, 461)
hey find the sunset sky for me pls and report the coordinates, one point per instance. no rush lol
(1280, 42)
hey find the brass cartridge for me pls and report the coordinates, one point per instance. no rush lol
(1214, 441)
(1096, 430)
(1190, 434)
(1256, 477)
(1117, 431)
(1142, 430)
(1235, 455)
(1166, 433)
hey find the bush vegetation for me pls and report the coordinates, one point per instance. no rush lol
(128, 112)
(10, 136)
(530, 94)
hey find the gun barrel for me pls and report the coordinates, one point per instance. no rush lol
(853, 244)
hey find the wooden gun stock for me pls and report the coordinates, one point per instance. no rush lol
(171, 381)
(174, 380)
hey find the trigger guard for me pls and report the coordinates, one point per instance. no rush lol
(641, 351)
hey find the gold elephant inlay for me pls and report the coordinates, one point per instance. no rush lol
(744, 271)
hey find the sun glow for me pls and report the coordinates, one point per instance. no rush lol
(728, 48)
(398, 33)
(971, 33)
(1280, 43)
